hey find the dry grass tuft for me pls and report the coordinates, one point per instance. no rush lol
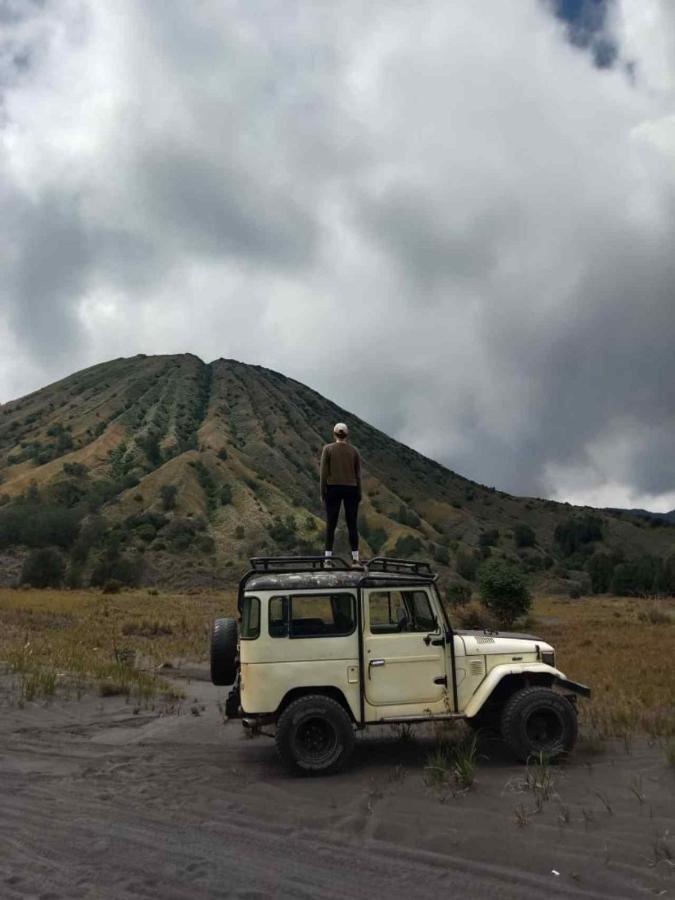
(72, 639)
(628, 661)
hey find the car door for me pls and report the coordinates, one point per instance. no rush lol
(404, 656)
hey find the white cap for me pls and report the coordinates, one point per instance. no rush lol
(340, 428)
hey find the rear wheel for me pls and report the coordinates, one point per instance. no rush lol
(315, 735)
(224, 662)
(536, 721)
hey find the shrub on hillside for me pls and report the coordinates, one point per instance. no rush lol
(407, 546)
(524, 535)
(168, 494)
(225, 495)
(43, 568)
(488, 538)
(600, 568)
(467, 564)
(407, 516)
(125, 569)
(503, 591)
(377, 538)
(571, 534)
(36, 525)
(441, 554)
(458, 594)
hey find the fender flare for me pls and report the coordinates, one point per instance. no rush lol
(540, 670)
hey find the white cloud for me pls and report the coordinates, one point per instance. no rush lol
(441, 215)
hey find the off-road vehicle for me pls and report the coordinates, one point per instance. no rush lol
(323, 649)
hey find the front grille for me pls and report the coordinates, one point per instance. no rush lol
(548, 657)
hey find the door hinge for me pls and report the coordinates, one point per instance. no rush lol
(442, 679)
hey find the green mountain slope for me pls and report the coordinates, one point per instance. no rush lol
(168, 470)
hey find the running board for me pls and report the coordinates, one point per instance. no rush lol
(430, 718)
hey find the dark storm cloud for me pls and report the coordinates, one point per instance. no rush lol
(465, 237)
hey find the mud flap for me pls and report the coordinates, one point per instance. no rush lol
(232, 704)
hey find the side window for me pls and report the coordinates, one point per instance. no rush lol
(278, 617)
(392, 612)
(250, 618)
(314, 615)
(385, 611)
(419, 609)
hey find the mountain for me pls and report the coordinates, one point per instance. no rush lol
(164, 469)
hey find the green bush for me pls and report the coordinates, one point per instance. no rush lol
(503, 591)
(377, 538)
(488, 538)
(225, 495)
(441, 554)
(467, 564)
(407, 546)
(127, 570)
(457, 594)
(571, 534)
(524, 535)
(43, 568)
(600, 568)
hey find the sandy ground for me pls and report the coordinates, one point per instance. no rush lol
(96, 801)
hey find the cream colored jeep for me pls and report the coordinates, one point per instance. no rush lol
(324, 649)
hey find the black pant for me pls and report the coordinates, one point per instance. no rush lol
(337, 494)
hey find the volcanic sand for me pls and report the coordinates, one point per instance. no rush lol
(98, 799)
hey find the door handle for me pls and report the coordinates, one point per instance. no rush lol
(374, 663)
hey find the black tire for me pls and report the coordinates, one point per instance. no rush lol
(314, 735)
(537, 720)
(224, 661)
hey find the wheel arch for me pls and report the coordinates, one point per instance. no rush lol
(503, 681)
(323, 690)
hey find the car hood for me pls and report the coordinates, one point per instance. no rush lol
(481, 642)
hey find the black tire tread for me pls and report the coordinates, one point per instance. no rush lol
(224, 639)
(513, 709)
(285, 724)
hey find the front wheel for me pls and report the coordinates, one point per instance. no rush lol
(536, 720)
(315, 735)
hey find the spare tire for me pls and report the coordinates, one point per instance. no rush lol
(224, 662)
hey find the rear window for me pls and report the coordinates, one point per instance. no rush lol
(315, 615)
(250, 618)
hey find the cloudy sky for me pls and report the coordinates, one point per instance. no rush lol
(455, 219)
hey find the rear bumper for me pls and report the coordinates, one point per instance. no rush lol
(574, 686)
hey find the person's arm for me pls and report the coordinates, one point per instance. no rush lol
(357, 470)
(323, 472)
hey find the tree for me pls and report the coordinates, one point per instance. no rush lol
(600, 568)
(44, 568)
(503, 591)
(524, 535)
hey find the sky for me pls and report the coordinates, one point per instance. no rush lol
(456, 220)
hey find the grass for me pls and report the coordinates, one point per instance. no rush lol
(452, 763)
(71, 640)
(628, 659)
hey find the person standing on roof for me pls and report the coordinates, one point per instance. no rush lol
(341, 483)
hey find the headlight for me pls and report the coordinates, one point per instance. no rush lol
(548, 657)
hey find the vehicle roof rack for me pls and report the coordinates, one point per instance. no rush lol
(400, 566)
(297, 563)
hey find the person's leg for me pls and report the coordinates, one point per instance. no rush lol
(333, 501)
(351, 500)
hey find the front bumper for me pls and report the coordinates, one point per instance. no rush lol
(574, 686)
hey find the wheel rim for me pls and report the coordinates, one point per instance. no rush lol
(315, 739)
(544, 729)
